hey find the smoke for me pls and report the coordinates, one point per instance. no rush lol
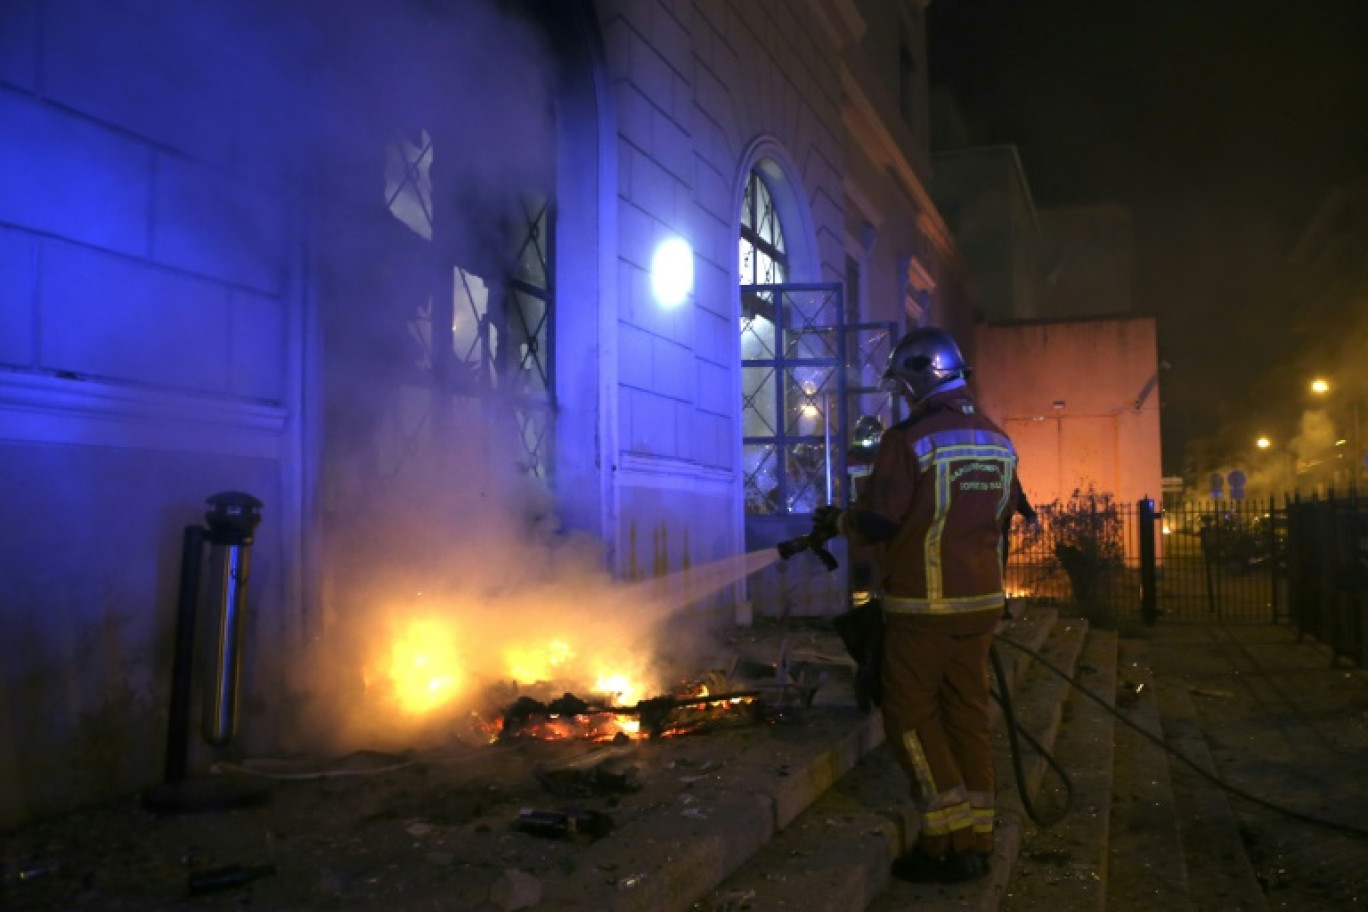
(462, 596)
(448, 580)
(425, 646)
(421, 136)
(1318, 456)
(1315, 438)
(455, 589)
(405, 151)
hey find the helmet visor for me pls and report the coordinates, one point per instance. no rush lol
(913, 372)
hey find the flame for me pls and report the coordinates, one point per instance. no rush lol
(622, 689)
(430, 662)
(424, 666)
(538, 662)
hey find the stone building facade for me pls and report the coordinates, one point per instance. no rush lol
(400, 273)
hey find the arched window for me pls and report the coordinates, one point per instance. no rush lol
(763, 261)
(789, 356)
(764, 256)
(791, 359)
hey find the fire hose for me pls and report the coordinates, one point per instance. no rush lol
(1211, 777)
(815, 542)
(1015, 729)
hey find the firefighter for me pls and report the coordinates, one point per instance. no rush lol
(943, 483)
(864, 447)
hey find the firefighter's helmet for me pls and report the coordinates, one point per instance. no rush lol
(864, 439)
(923, 360)
(867, 433)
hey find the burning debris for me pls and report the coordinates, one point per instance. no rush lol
(586, 661)
(569, 716)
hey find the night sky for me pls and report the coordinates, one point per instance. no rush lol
(1222, 123)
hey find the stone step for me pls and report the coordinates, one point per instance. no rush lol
(684, 842)
(1145, 868)
(1040, 711)
(835, 856)
(1220, 875)
(1283, 722)
(1064, 866)
(1031, 629)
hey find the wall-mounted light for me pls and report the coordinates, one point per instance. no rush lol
(672, 272)
(1263, 443)
(1057, 405)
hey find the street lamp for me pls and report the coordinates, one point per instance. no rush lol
(1271, 464)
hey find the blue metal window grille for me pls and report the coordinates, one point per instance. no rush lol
(793, 398)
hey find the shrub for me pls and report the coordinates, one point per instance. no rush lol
(1081, 537)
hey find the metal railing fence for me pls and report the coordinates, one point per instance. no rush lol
(1327, 572)
(1212, 560)
(1301, 561)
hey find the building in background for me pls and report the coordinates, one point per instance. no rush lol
(453, 290)
(1079, 398)
(1061, 360)
(1088, 262)
(986, 198)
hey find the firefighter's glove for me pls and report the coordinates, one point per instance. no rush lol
(826, 523)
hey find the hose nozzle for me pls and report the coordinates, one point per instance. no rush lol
(810, 542)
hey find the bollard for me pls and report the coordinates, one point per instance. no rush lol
(231, 522)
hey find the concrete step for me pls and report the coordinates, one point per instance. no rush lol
(1285, 725)
(1040, 711)
(1064, 866)
(441, 832)
(1031, 629)
(835, 856)
(1220, 875)
(680, 844)
(1146, 869)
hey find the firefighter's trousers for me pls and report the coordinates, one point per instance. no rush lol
(935, 714)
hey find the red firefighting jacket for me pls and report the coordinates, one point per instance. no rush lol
(943, 483)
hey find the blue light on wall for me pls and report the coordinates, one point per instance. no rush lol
(672, 272)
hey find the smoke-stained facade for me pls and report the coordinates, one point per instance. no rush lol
(389, 270)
